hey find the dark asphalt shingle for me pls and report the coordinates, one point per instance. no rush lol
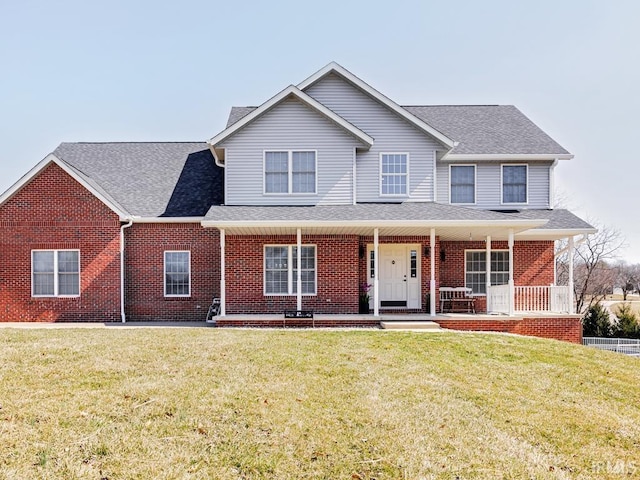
(159, 179)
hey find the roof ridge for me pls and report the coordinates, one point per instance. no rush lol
(132, 142)
(460, 105)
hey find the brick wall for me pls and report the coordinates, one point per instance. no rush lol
(337, 274)
(533, 263)
(567, 328)
(145, 244)
(55, 212)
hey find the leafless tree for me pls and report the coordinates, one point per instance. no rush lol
(593, 274)
(628, 277)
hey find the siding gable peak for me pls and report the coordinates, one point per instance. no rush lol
(290, 91)
(342, 72)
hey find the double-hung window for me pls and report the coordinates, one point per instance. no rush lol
(55, 273)
(281, 269)
(514, 184)
(394, 173)
(463, 184)
(177, 274)
(476, 269)
(290, 171)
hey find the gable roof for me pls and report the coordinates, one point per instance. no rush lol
(337, 69)
(492, 130)
(290, 91)
(163, 179)
(77, 175)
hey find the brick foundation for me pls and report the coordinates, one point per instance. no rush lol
(566, 328)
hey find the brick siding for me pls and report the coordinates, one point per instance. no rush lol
(567, 328)
(145, 244)
(67, 217)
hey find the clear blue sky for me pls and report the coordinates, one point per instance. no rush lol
(153, 70)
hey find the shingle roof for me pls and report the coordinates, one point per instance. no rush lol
(559, 219)
(419, 212)
(178, 179)
(478, 129)
(408, 211)
(488, 129)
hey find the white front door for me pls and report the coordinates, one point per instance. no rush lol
(399, 276)
(393, 276)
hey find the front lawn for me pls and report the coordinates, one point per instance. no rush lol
(201, 403)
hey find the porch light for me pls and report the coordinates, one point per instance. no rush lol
(362, 251)
(443, 256)
(427, 251)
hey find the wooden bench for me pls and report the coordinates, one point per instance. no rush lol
(457, 299)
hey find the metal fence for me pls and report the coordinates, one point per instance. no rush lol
(628, 346)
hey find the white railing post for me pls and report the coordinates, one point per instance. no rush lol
(571, 300)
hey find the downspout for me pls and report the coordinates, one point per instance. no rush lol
(122, 227)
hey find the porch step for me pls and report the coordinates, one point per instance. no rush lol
(417, 325)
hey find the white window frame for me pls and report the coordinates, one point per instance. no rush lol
(164, 273)
(291, 279)
(289, 153)
(475, 183)
(484, 272)
(56, 273)
(407, 175)
(526, 193)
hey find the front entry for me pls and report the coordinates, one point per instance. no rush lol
(399, 276)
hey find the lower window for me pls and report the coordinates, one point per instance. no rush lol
(55, 273)
(476, 269)
(281, 269)
(177, 274)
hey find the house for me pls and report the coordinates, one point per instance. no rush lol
(327, 186)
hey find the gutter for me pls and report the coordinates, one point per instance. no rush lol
(122, 227)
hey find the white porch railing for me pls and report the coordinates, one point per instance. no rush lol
(551, 299)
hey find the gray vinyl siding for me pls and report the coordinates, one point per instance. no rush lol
(489, 186)
(291, 125)
(392, 134)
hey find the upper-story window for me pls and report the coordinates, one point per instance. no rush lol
(462, 184)
(514, 184)
(290, 171)
(394, 173)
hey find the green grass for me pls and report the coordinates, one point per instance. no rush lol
(210, 403)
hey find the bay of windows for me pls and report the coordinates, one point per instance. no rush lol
(290, 172)
(281, 269)
(55, 273)
(476, 269)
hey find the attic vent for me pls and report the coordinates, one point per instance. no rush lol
(506, 211)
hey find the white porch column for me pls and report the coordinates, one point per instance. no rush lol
(432, 280)
(512, 289)
(299, 275)
(488, 269)
(376, 303)
(572, 306)
(223, 284)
